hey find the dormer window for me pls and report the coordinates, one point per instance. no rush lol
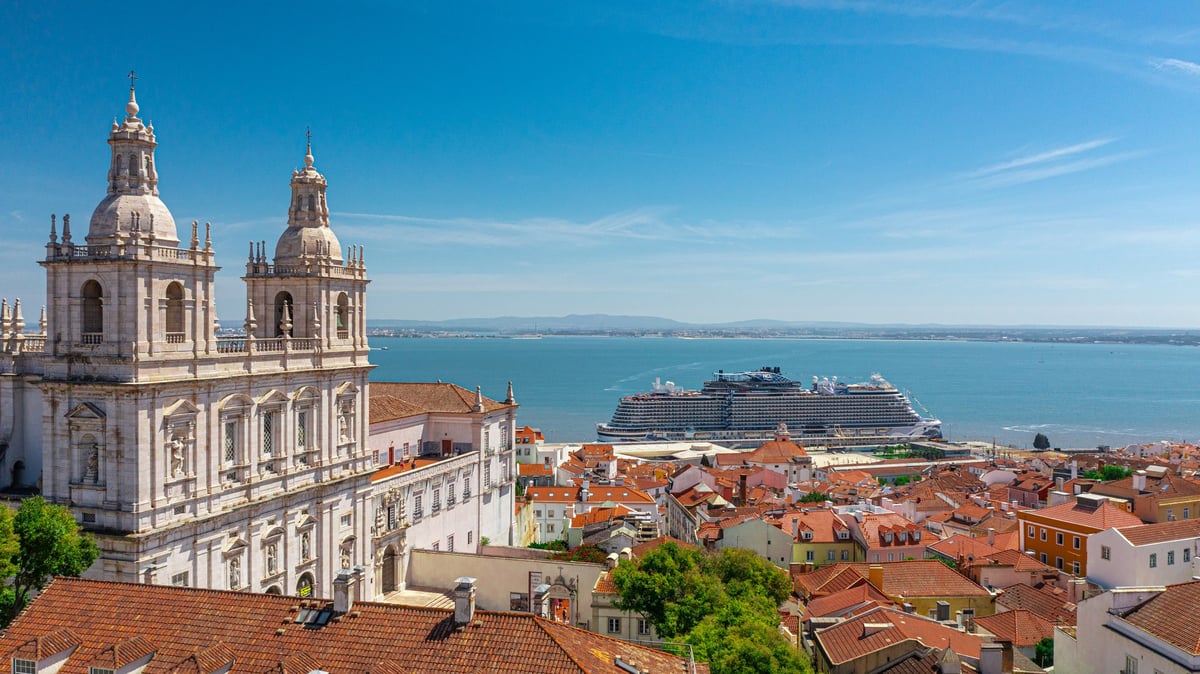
(903, 537)
(916, 536)
(806, 535)
(22, 666)
(843, 535)
(99, 670)
(887, 538)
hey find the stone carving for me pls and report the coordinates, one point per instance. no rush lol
(272, 558)
(345, 558)
(306, 546)
(177, 456)
(92, 474)
(235, 573)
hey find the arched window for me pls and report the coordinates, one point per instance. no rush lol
(92, 313)
(343, 316)
(310, 203)
(283, 314)
(175, 313)
(304, 586)
(133, 165)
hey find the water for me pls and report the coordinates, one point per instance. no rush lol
(1079, 395)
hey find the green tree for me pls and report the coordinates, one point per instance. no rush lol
(744, 574)
(669, 588)
(48, 543)
(1043, 653)
(740, 637)
(813, 496)
(1040, 441)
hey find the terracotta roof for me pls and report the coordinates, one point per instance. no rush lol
(260, 630)
(618, 495)
(911, 578)
(552, 494)
(398, 400)
(959, 545)
(41, 647)
(1105, 516)
(1020, 561)
(1161, 616)
(1162, 532)
(845, 642)
(875, 525)
(534, 470)
(1039, 602)
(840, 602)
(1020, 627)
(604, 584)
(775, 451)
(823, 524)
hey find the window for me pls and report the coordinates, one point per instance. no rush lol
(550, 528)
(1131, 663)
(100, 670)
(230, 443)
(1075, 568)
(1031, 530)
(180, 579)
(1170, 514)
(1058, 538)
(343, 316)
(302, 430)
(537, 514)
(1153, 560)
(1187, 512)
(1105, 552)
(891, 557)
(466, 488)
(92, 313)
(550, 514)
(175, 313)
(418, 510)
(1043, 557)
(268, 433)
(437, 500)
(1043, 534)
(845, 555)
(21, 666)
(1170, 557)
(435, 547)
(450, 543)
(1187, 554)
(643, 627)
(830, 556)
(450, 494)
(614, 625)
(470, 537)
(1075, 542)
(808, 555)
(487, 473)
(1058, 563)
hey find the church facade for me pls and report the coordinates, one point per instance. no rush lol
(229, 462)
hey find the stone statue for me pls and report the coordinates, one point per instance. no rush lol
(93, 465)
(345, 558)
(272, 558)
(177, 458)
(305, 545)
(342, 426)
(235, 573)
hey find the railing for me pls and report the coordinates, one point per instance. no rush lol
(124, 250)
(175, 338)
(92, 337)
(313, 269)
(231, 344)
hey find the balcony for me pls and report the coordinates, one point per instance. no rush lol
(92, 337)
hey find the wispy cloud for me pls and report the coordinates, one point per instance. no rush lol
(1176, 65)
(1048, 164)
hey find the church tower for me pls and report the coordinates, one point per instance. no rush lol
(229, 462)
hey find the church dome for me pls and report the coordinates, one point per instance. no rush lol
(298, 243)
(118, 214)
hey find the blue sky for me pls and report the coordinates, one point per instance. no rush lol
(824, 160)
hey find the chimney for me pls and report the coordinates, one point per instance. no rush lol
(464, 600)
(742, 490)
(586, 491)
(943, 611)
(992, 536)
(991, 658)
(968, 615)
(908, 607)
(875, 576)
(1059, 483)
(342, 597)
(1006, 656)
(1139, 480)
(872, 628)
(1074, 469)
(795, 528)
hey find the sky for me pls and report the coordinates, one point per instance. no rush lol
(987, 163)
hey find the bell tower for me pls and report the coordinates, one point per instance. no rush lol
(130, 299)
(309, 295)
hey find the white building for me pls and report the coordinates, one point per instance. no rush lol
(1144, 555)
(1136, 630)
(212, 461)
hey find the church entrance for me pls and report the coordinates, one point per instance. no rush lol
(389, 569)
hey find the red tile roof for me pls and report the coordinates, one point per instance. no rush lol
(966, 547)
(911, 578)
(1167, 614)
(260, 630)
(1020, 627)
(1105, 516)
(397, 400)
(1162, 532)
(552, 494)
(840, 602)
(1039, 602)
(845, 642)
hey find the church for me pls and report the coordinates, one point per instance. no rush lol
(241, 461)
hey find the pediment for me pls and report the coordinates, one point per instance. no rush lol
(234, 545)
(346, 388)
(273, 397)
(86, 411)
(182, 407)
(305, 521)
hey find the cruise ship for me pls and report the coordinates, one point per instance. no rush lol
(745, 408)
